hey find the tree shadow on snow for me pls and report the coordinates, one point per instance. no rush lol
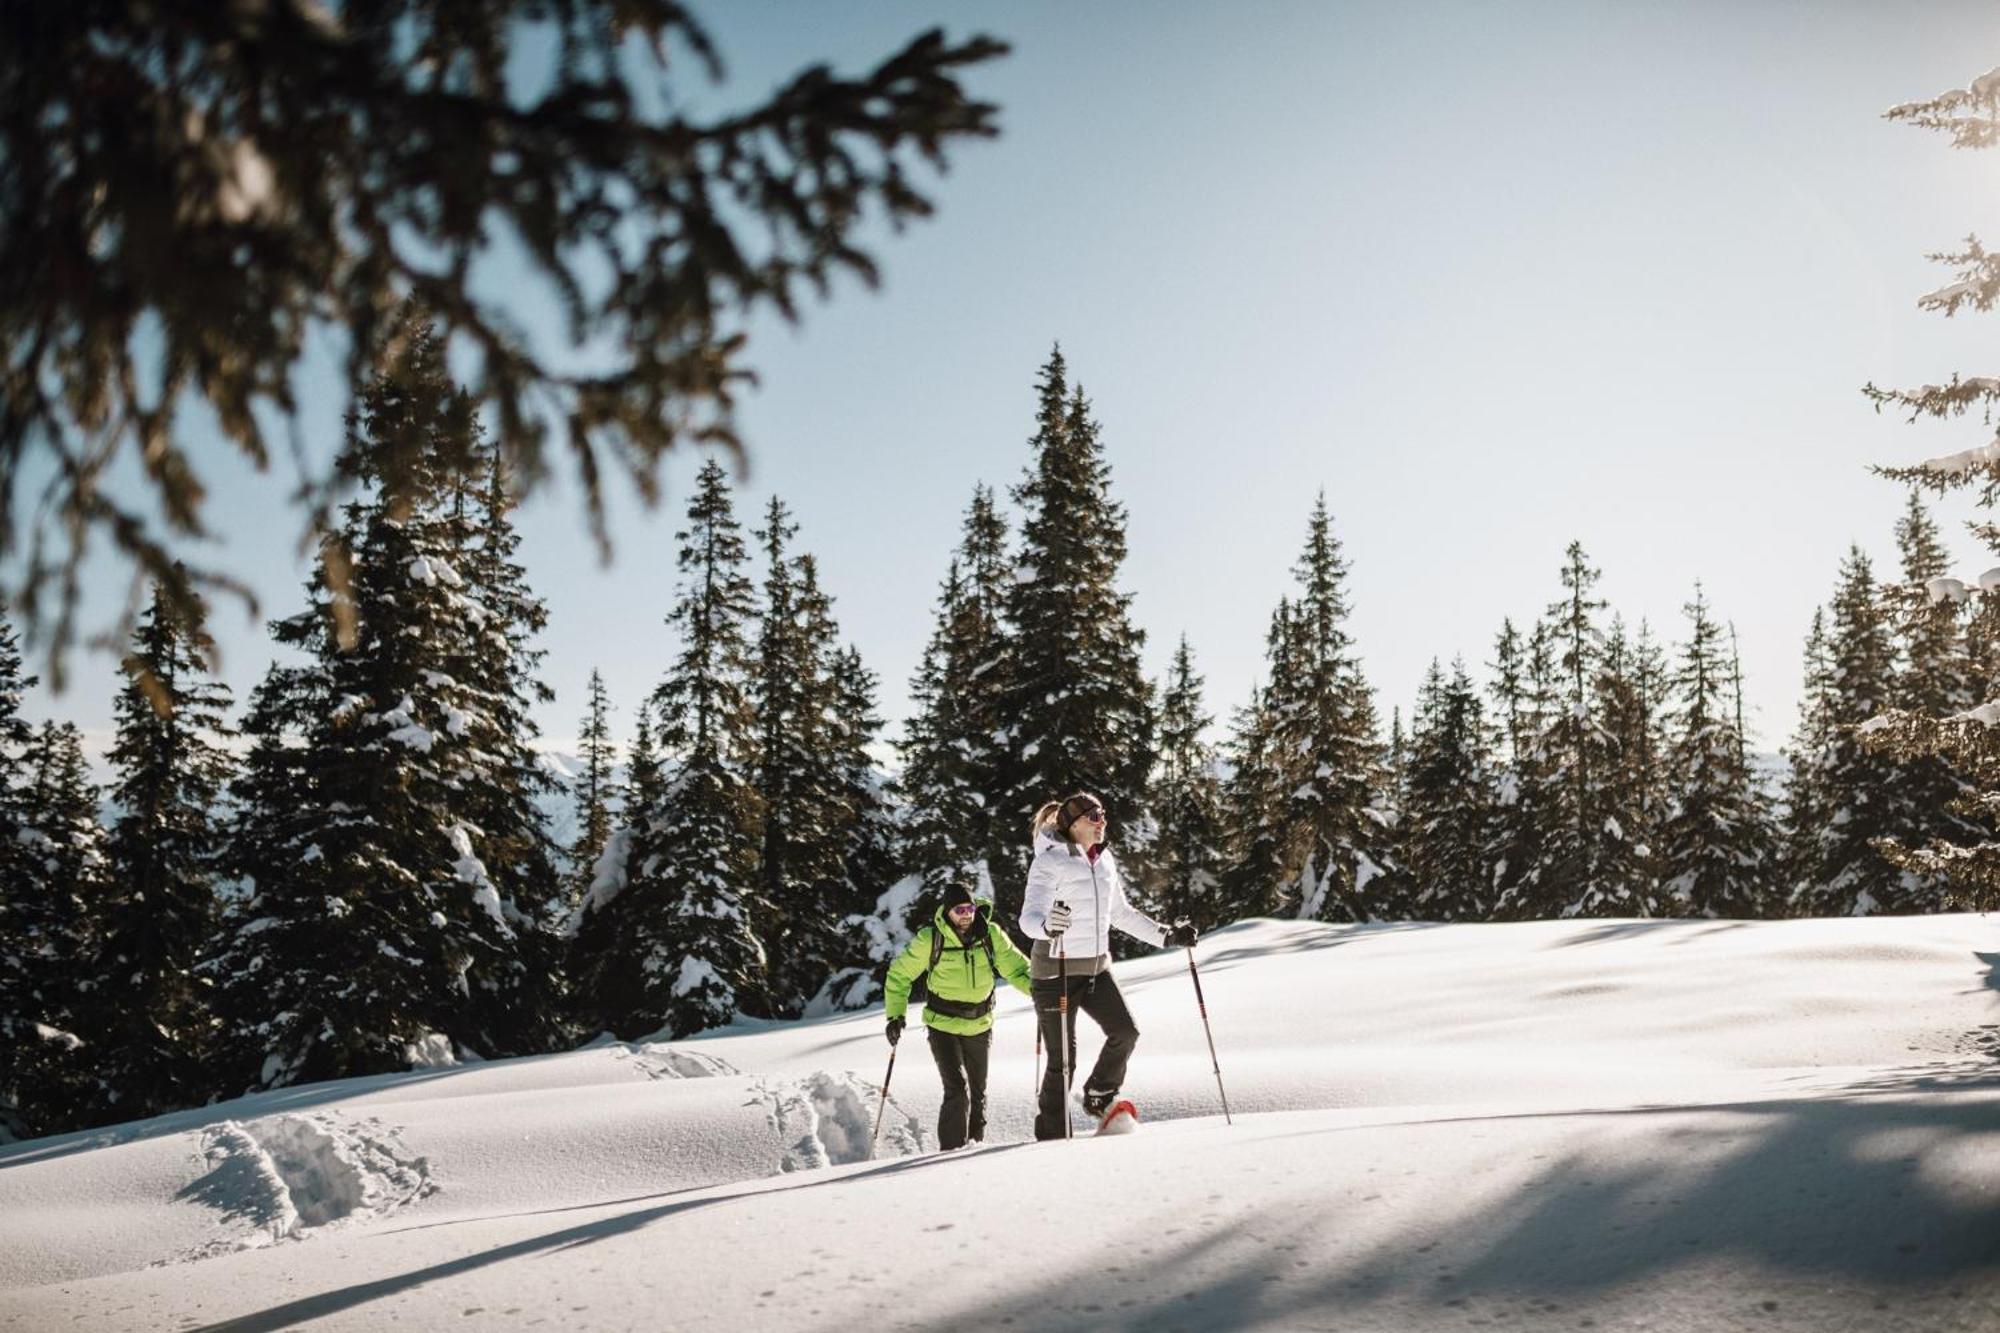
(1831, 1193)
(1326, 936)
(323, 1304)
(252, 1106)
(1685, 929)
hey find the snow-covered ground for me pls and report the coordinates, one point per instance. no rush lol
(1661, 1125)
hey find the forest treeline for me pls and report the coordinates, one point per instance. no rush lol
(354, 873)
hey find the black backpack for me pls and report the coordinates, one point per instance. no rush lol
(920, 989)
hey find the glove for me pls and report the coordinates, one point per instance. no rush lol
(895, 1030)
(1182, 934)
(1058, 919)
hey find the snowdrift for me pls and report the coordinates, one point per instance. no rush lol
(1561, 1125)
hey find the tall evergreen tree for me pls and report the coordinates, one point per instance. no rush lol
(1448, 837)
(378, 936)
(1715, 846)
(955, 759)
(686, 956)
(1326, 743)
(1966, 869)
(1628, 702)
(44, 1072)
(1188, 798)
(1253, 809)
(1533, 816)
(152, 1022)
(597, 790)
(1077, 710)
(503, 782)
(1934, 679)
(1843, 872)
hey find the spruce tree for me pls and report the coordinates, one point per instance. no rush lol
(1524, 692)
(1961, 872)
(604, 986)
(954, 756)
(1627, 702)
(1843, 871)
(684, 954)
(1326, 745)
(1577, 762)
(503, 783)
(1077, 712)
(1253, 811)
(1933, 679)
(1715, 846)
(1807, 802)
(152, 1025)
(596, 792)
(379, 937)
(1188, 798)
(44, 1069)
(1448, 838)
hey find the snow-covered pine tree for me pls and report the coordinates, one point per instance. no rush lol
(685, 955)
(378, 939)
(1187, 796)
(1843, 871)
(1252, 810)
(606, 984)
(1577, 761)
(1627, 699)
(1934, 679)
(1077, 712)
(1526, 692)
(41, 1065)
(1806, 801)
(954, 755)
(1964, 739)
(1447, 840)
(151, 1024)
(1326, 744)
(803, 892)
(1392, 893)
(265, 954)
(596, 790)
(502, 783)
(57, 920)
(1715, 846)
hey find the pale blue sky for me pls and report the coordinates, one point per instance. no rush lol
(1494, 276)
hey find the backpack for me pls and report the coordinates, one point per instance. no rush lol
(920, 989)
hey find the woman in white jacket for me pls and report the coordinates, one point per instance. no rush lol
(1075, 896)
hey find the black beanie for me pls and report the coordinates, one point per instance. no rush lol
(955, 895)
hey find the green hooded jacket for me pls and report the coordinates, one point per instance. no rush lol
(962, 975)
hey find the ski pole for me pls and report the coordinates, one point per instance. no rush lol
(1202, 1005)
(885, 1102)
(1062, 1029)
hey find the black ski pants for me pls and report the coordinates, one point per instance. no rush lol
(961, 1063)
(1099, 997)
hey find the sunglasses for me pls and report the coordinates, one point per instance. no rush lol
(1095, 814)
(962, 909)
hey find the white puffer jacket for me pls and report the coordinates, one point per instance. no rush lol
(1095, 893)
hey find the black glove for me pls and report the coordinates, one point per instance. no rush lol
(1182, 934)
(895, 1030)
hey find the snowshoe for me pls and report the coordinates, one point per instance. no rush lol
(1122, 1118)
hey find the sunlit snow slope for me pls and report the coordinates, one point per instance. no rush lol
(1668, 1125)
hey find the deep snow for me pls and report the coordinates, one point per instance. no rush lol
(1663, 1125)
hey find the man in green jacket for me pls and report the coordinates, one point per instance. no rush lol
(961, 951)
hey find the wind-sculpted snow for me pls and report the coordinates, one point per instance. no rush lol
(1581, 1124)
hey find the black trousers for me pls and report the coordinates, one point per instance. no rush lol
(1099, 997)
(961, 1063)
